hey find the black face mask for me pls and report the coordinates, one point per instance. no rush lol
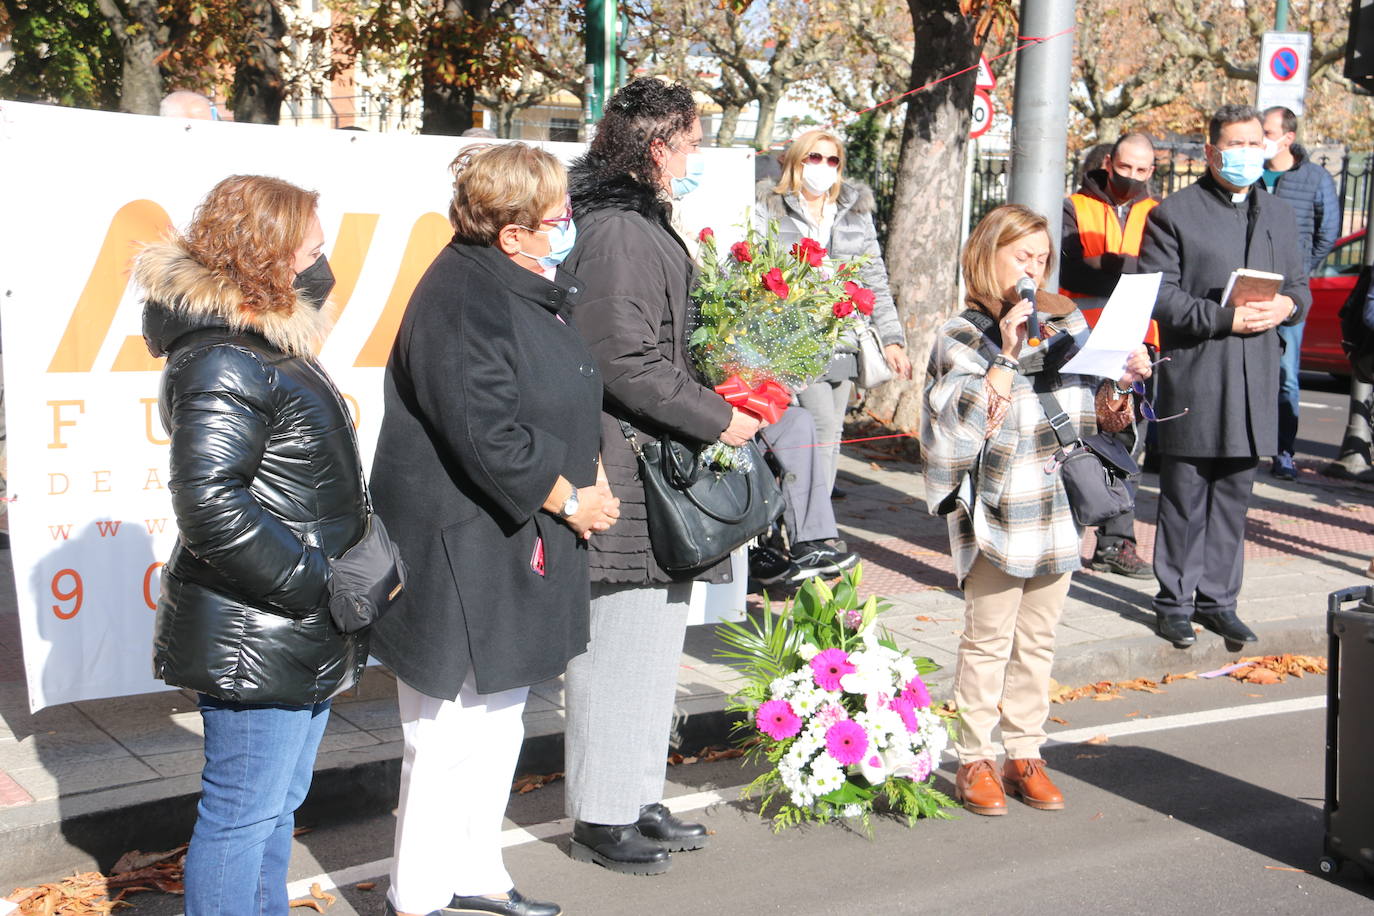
(1124, 188)
(316, 282)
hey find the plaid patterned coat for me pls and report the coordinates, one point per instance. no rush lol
(1014, 513)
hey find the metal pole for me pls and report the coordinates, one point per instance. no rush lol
(1040, 116)
(601, 23)
(1281, 17)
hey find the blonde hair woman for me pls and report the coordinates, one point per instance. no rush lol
(487, 466)
(1014, 540)
(814, 199)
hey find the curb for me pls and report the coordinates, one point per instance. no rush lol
(91, 831)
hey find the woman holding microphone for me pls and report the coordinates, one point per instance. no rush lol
(1012, 533)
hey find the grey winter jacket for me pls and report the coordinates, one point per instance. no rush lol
(1309, 190)
(853, 235)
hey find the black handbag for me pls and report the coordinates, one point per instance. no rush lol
(1095, 469)
(366, 580)
(698, 515)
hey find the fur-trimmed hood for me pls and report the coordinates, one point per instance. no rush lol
(182, 295)
(854, 196)
(593, 187)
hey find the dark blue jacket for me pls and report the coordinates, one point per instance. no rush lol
(1309, 190)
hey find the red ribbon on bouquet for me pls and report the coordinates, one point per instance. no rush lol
(767, 400)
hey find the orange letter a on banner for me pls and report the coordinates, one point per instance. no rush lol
(141, 221)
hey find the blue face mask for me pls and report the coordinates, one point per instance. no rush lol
(1242, 167)
(696, 167)
(561, 241)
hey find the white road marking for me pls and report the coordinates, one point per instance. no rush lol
(518, 836)
(1309, 405)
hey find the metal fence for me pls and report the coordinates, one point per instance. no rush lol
(1177, 167)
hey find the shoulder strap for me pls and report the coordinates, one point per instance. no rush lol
(1054, 412)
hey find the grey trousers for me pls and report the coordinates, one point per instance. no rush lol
(1200, 533)
(827, 402)
(805, 487)
(619, 697)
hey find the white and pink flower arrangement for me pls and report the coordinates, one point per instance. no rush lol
(840, 712)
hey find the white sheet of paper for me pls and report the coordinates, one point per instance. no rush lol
(1120, 329)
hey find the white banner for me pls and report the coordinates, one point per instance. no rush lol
(90, 518)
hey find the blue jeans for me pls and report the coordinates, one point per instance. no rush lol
(1288, 386)
(258, 765)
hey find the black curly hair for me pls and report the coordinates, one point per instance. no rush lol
(642, 111)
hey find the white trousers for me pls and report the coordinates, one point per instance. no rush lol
(456, 774)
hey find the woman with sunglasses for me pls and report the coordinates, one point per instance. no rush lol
(988, 448)
(487, 471)
(813, 199)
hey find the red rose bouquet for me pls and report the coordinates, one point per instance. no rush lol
(766, 318)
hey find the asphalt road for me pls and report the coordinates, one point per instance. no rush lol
(1217, 810)
(1323, 406)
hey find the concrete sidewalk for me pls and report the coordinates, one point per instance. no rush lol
(84, 782)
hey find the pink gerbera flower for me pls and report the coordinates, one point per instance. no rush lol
(829, 666)
(916, 692)
(776, 719)
(907, 710)
(846, 741)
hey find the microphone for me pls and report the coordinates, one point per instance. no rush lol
(1025, 288)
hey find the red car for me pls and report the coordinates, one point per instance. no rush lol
(1331, 286)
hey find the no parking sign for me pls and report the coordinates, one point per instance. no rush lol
(1283, 70)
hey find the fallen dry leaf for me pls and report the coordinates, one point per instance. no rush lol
(1130, 714)
(1058, 720)
(1143, 684)
(365, 886)
(1262, 676)
(1301, 871)
(1096, 816)
(1097, 739)
(532, 781)
(1256, 696)
(1106, 697)
(320, 893)
(1170, 678)
(306, 901)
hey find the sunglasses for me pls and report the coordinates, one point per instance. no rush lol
(817, 159)
(1147, 410)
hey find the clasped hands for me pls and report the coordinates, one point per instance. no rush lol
(1259, 315)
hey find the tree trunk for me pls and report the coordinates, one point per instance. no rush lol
(448, 108)
(141, 36)
(258, 87)
(768, 116)
(928, 207)
(729, 123)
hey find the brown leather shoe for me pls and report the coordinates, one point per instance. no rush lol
(1028, 781)
(977, 786)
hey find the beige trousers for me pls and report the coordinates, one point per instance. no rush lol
(1005, 656)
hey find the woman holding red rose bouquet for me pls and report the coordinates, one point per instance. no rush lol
(824, 215)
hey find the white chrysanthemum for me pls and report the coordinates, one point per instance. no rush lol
(808, 651)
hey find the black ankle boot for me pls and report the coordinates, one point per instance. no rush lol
(658, 823)
(618, 847)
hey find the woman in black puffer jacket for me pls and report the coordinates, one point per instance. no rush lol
(267, 488)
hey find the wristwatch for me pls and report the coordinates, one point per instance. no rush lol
(569, 505)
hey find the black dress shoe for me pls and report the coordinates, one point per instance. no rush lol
(658, 823)
(1177, 629)
(515, 904)
(1228, 626)
(618, 847)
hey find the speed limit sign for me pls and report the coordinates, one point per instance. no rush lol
(982, 114)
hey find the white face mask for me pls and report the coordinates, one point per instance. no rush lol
(1271, 149)
(819, 177)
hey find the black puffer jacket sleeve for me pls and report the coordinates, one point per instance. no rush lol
(218, 406)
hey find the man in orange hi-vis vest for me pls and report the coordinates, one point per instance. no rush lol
(1104, 223)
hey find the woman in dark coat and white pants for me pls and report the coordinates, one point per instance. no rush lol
(633, 313)
(487, 473)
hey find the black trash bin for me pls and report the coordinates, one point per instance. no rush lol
(1350, 730)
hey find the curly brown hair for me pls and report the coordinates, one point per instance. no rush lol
(248, 229)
